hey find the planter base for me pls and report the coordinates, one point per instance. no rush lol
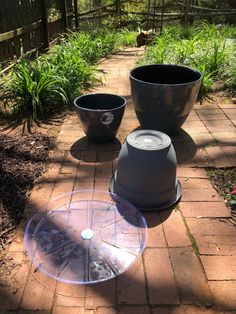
(101, 139)
(160, 121)
(119, 190)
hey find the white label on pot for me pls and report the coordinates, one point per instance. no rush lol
(107, 118)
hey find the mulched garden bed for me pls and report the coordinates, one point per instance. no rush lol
(22, 160)
(224, 181)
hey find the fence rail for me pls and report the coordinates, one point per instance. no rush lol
(31, 25)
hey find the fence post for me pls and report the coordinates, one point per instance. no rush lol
(162, 16)
(187, 5)
(76, 13)
(64, 15)
(118, 8)
(148, 14)
(44, 19)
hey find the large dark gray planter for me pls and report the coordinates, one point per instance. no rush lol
(163, 95)
(146, 171)
(100, 115)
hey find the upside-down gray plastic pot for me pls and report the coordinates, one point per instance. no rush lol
(164, 95)
(146, 171)
(100, 115)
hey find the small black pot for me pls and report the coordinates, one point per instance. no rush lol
(164, 95)
(100, 115)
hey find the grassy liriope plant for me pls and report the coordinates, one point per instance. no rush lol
(207, 48)
(36, 88)
(29, 91)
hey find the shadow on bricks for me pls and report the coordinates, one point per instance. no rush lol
(153, 217)
(78, 147)
(184, 146)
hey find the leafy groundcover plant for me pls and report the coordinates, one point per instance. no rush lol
(208, 48)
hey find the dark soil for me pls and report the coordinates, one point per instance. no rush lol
(22, 160)
(224, 180)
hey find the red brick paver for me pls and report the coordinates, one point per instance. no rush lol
(177, 236)
(224, 294)
(219, 267)
(191, 280)
(161, 283)
(204, 209)
(131, 288)
(189, 263)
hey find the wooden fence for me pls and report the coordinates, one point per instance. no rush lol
(31, 24)
(156, 13)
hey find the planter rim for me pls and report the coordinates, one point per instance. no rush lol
(167, 65)
(100, 94)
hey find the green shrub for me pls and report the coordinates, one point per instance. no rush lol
(67, 62)
(90, 46)
(126, 38)
(53, 80)
(208, 48)
(29, 91)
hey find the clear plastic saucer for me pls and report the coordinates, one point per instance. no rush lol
(86, 237)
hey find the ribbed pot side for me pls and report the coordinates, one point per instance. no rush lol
(164, 95)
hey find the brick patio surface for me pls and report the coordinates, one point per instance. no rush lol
(189, 264)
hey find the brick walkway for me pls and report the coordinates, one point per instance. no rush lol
(189, 264)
